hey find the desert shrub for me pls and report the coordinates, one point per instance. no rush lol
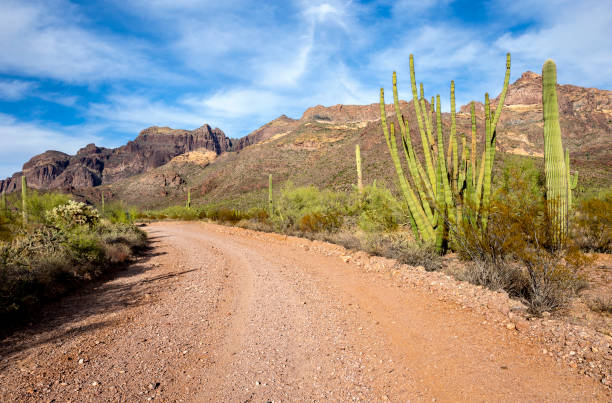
(38, 204)
(378, 210)
(502, 275)
(116, 213)
(324, 210)
(226, 214)
(317, 222)
(516, 252)
(73, 214)
(42, 262)
(601, 304)
(258, 214)
(181, 213)
(592, 229)
(402, 246)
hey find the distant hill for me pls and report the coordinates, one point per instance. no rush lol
(318, 149)
(94, 166)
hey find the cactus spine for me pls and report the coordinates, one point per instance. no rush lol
(188, 204)
(446, 188)
(270, 203)
(359, 174)
(557, 173)
(24, 200)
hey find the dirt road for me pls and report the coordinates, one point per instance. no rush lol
(224, 314)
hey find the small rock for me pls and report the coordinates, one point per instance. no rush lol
(257, 383)
(94, 383)
(81, 361)
(546, 314)
(522, 325)
(510, 326)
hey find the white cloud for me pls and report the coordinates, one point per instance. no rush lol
(577, 36)
(132, 113)
(44, 39)
(22, 140)
(14, 90)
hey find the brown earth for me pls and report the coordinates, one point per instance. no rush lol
(225, 314)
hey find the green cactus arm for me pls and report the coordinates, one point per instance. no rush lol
(420, 115)
(420, 226)
(448, 196)
(502, 96)
(24, 199)
(359, 173)
(453, 135)
(417, 179)
(270, 202)
(424, 228)
(489, 155)
(411, 158)
(464, 163)
(473, 117)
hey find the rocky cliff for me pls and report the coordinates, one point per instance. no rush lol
(93, 166)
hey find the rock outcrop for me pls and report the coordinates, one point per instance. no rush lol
(93, 166)
(277, 127)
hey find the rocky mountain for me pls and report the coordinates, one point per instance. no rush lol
(278, 127)
(319, 147)
(94, 166)
(316, 149)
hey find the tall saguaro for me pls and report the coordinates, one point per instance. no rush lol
(24, 200)
(554, 159)
(359, 174)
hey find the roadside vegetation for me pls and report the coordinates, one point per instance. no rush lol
(50, 244)
(524, 231)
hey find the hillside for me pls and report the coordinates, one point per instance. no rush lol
(158, 167)
(94, 166)
(319, 148)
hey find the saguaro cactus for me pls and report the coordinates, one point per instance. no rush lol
(557, 173)
(440, 191)
(188, 204)
(3, 201)
(270, 204)
(359, 174)
(102, 202)
(24, 200)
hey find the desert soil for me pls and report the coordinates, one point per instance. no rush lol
(225, 314)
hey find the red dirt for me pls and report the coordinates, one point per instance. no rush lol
(225, 314)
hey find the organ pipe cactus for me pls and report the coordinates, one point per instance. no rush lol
(440, 190)
(359, 174)
(270, 203)
(559, 182)
(24, 200)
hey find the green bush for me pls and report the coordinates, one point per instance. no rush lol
(310, 208)
(73, 214)
(592, 227)
(378, 210)
(43, 261)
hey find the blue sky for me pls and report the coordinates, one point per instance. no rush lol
(77, 72)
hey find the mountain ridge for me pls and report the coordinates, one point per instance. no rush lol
(585, 114)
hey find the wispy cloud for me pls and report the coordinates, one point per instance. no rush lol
(117, 67)
(14, 90)
(22, 140)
